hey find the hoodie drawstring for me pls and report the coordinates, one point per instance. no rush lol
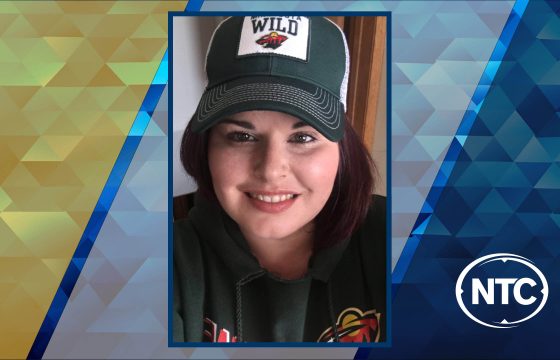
(331, 312)
(238, 302)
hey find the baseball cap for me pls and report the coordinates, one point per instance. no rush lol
(293, 64)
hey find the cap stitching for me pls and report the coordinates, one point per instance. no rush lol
(207, 107)
(241, 93)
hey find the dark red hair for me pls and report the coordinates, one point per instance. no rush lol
(347, 205)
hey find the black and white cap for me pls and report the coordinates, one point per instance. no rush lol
(293, 64)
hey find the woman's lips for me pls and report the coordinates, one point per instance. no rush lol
(270, 202)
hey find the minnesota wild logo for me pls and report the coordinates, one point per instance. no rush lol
(353, 325)
(272, 40)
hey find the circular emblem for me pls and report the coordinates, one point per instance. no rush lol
(501, 290)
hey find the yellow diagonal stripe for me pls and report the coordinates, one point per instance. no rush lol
(72, 77)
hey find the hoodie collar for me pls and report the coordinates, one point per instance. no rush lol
(222, 233)
(218, 230)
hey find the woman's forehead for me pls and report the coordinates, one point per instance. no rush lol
(255, 119)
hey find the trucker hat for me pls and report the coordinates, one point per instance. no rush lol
(294, 64)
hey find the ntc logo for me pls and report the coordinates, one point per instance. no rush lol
(501, 290)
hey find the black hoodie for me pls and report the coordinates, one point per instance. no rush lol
(221, 294)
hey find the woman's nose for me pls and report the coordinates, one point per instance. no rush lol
(271, 161)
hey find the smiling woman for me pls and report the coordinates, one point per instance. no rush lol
(285, 241)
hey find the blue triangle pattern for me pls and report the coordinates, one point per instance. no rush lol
(500, 196)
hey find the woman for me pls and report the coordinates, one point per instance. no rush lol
(284, 242)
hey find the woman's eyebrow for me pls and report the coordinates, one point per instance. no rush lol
(243, 124)
(299, 124)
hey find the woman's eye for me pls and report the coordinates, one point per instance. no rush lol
(239, 136)
(302, 138)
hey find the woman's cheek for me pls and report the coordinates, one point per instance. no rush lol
(228, 166)
(319, 170)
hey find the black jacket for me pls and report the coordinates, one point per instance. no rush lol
(221, 294)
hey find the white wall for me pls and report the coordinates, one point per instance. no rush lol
(191, 35)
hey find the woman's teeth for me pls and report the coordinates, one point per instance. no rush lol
(272, 199)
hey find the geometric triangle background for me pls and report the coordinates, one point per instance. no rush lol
(499, 196)
(72, 78)
(118, 308)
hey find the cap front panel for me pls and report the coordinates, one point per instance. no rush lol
(222, 63)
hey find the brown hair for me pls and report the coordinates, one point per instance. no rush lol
(347, 205)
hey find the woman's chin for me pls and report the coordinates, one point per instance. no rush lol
(268, 232)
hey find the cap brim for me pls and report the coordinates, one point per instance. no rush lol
(314, 105)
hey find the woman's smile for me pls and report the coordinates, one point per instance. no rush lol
(271, 197)
(272, 204)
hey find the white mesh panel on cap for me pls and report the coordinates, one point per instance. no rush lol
(344, 84)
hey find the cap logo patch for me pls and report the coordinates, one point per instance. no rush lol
(281, 35)
(272, 40)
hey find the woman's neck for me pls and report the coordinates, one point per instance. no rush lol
(286, 258)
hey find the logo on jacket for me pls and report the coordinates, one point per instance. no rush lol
(353, 325)
(210, 333)
(272, 40)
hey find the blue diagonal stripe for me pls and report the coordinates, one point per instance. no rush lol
(100, 211)
(465, 126)
(194, 5)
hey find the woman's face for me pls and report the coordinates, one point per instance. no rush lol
(272, 173)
